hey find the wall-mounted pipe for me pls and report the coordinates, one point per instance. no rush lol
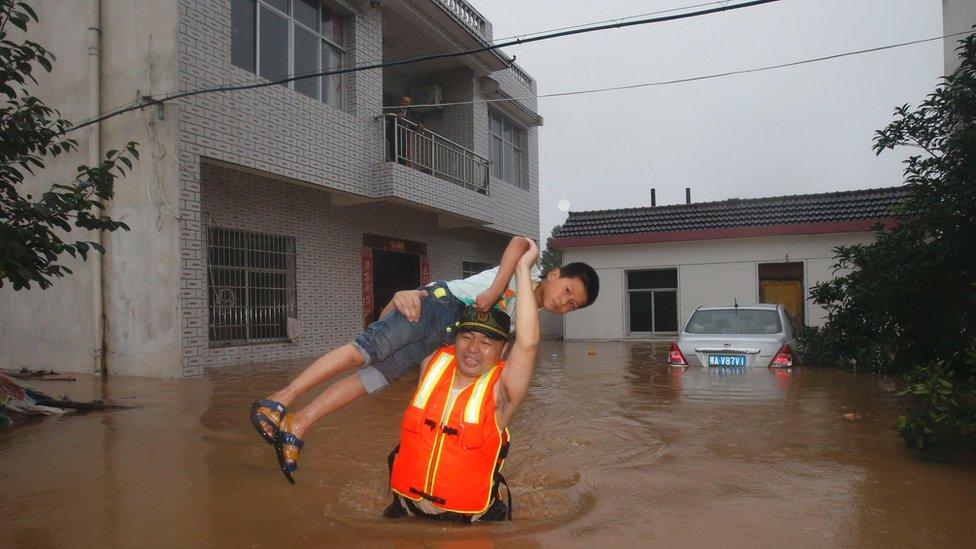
(94, 158)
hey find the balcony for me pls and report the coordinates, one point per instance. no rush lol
(468, 16)
(416, 147)
(413, 29)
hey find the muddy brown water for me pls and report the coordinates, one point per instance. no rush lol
(611, 447)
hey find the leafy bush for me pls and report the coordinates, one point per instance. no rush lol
(906, 303)
(33, 232)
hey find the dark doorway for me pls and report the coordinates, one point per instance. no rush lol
(392, 272)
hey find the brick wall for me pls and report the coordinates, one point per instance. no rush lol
(328, 240)
(280, 132)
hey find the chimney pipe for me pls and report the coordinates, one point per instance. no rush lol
(687, 195)
(653, 198)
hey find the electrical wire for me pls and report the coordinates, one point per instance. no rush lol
(430, 57)
(579, 25)
(313, 73)
(691, 78)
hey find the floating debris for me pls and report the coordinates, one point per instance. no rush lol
(46, 375)
(18, 398)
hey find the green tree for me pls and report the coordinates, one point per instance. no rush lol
(907, 302)
(551, 258)
(33, 232)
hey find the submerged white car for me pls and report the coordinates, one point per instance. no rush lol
(739, 336)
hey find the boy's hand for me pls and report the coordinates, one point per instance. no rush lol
(486, 299)
(530, 256)
(407, 303)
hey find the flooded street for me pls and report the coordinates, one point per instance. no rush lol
(609, 447)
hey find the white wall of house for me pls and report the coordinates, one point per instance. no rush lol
(957, 16)
(711, 272)
(55, 328)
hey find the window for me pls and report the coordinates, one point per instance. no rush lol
(507, 150)
(471, 268)
(653, 300)
(735, 321)
(278, 38)
(251, 286)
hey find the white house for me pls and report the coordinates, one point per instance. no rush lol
(658, 264)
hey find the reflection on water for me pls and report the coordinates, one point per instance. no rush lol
(611, 446)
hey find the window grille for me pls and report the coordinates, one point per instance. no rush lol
(251, 286)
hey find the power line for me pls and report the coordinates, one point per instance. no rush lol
(648, 14)
(517, 41)
(314, 73)
(691, 78)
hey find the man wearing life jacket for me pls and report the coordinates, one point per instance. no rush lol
(454, 435)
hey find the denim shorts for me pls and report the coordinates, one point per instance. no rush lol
(393, 345)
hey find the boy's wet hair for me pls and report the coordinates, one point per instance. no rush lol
(586, 274)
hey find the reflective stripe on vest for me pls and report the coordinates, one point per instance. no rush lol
(472, 412)
(431, 378)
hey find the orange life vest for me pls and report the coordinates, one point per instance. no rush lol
(451, 464)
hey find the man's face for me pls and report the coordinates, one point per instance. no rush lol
(563, 295)
(477, 353)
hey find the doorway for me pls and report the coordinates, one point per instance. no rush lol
(782, 283)
(390, 265)
(392, 272)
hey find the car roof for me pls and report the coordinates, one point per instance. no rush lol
(764, 306)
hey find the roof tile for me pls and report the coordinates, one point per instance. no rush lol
(735, 212)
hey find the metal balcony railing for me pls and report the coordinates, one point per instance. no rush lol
(421, 149)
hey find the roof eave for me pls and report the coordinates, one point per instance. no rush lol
(725, 233)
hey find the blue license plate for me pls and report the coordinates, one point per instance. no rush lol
(726, 360)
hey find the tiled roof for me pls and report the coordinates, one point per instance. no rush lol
(753, 212)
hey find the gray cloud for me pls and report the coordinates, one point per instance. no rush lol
(795, 130)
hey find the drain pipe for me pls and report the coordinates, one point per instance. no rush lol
(94, 158)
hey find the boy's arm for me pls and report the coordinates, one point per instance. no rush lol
(407, 303)
(515, 378)
(517, 246)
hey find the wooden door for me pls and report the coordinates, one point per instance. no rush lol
(788, 293)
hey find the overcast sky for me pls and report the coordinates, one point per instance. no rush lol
(796, 130)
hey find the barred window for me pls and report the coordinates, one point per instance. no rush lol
(251, 286)
(277, 38)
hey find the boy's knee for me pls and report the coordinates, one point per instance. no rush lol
(353, 354)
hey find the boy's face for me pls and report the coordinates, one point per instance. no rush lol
(562, 295)
(476, 352)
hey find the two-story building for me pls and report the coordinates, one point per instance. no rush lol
(273, 222)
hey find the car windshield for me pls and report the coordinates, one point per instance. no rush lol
(734, 321)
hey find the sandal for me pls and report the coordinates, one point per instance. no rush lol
(266, 415)
(287, 447)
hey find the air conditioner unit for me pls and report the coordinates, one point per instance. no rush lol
(428, 95)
